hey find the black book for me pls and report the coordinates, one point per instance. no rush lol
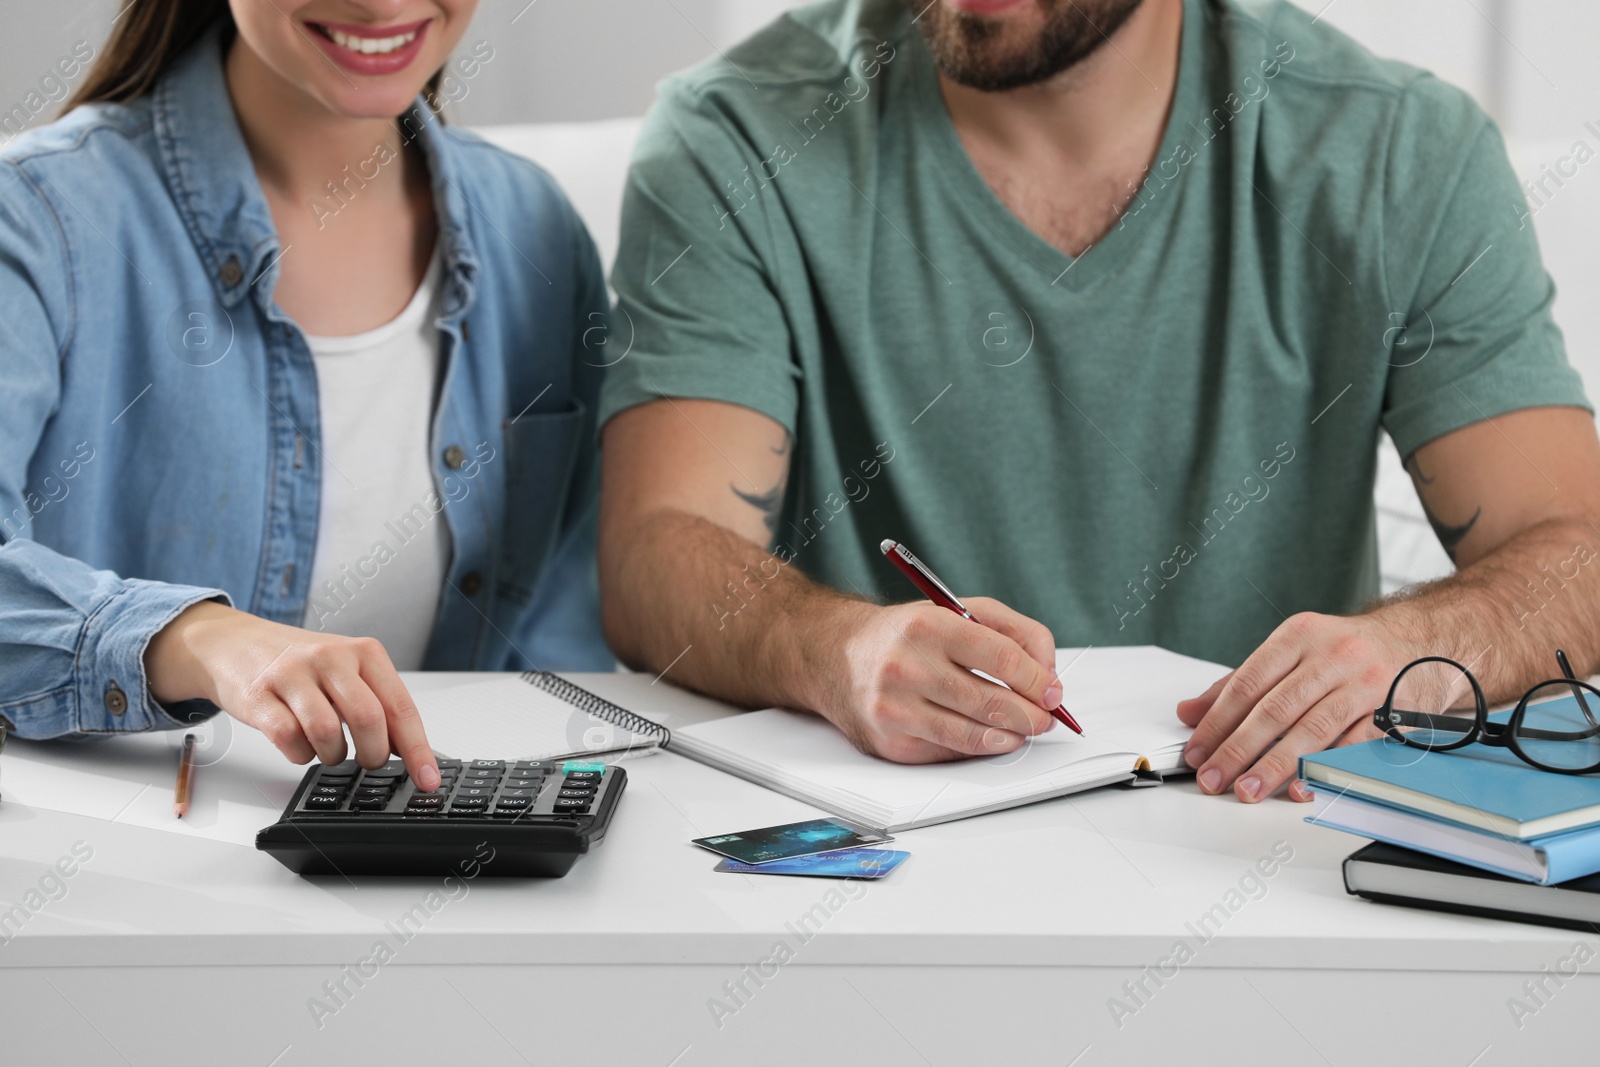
(1392, 875)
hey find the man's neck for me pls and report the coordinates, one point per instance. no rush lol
(1067, 156)
(1126, 84)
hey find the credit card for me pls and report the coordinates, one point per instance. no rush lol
(846, 863)
(789, 840)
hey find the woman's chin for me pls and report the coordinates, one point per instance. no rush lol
(384, 103)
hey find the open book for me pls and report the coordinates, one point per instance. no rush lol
(1126, 699)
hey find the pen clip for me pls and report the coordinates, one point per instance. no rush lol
(932, 579)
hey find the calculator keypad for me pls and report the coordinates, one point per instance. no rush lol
(468, 789)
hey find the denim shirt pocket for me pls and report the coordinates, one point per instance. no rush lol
(541, 455)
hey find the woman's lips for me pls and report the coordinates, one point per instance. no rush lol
(371, 50)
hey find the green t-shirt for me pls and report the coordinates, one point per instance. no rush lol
(1169, 440)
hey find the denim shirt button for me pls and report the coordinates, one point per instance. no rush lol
(454, 457)
(116, 699)
(471, 584)
(231, 273)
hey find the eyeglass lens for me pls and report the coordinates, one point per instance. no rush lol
(1561, 728)
(1434, 688)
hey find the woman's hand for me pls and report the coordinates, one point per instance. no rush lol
(298, 687)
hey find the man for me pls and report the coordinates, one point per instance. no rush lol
(1100, 305)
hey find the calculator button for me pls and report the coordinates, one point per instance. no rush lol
(448, 764)
(533, 765)
(335, 779)
(469, 802)
(467, 791)
(583, 776)
(327, 791)
(513, 803)
(381, 776)
(583, 794)
(370, 803)
(572, 807)
(496, 764)
(524, 781)
(528, 793)
(426, 800)
(374, 791)
(321, 803)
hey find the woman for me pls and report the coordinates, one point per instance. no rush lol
(296, 394)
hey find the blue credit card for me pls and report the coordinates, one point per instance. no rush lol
(793, 839)
(845, 863)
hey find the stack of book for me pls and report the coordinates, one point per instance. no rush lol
(1474, 830)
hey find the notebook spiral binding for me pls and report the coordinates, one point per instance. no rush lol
(597, 706)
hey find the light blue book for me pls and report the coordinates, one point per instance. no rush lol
(1544, 860)
(1482, 787)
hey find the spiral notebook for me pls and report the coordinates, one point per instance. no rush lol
(537, 715)
(1126, 699)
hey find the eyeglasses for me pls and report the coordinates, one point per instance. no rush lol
(1553, 726)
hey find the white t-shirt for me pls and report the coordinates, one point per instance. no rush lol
(382, 551)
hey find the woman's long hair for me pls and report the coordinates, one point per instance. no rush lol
(147, 41)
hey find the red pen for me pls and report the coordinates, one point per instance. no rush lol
(936, 591)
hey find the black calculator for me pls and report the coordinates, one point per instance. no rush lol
(532, 817)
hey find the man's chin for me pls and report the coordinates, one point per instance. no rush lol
(999, 45)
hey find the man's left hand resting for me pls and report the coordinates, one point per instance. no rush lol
(1515, 500)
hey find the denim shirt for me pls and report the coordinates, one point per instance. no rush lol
(159, 425)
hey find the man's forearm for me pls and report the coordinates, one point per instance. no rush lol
(718, 613)
(1504, 616)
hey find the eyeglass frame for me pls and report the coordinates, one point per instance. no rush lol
(1480, 729)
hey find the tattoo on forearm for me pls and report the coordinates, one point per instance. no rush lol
(770, 502)
(1450, 536)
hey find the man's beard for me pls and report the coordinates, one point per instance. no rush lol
(978, 52)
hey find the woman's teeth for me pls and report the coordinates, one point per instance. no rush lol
(368, 46)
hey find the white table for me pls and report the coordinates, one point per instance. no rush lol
(1004, 939)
